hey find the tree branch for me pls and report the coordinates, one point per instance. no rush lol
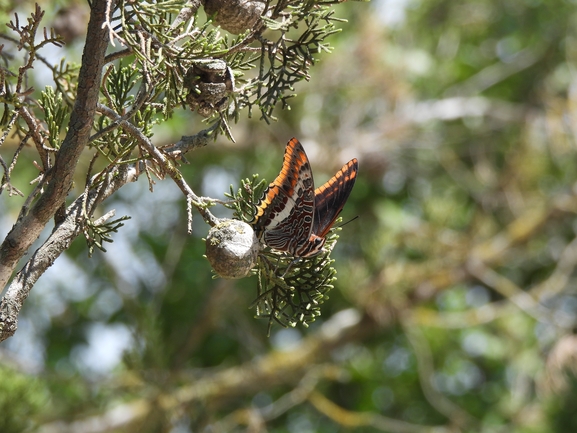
(58, 241)
(70, 228)
(260, 373)
(164, 162)
(59, 178)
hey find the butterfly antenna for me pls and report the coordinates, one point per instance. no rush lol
(349, 221)
(277, 265)
(289, 266)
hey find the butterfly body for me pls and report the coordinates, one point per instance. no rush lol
(292, 215)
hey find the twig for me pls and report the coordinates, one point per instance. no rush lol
(58, 241)
(34, 127)
(117, 55)
(462, 319)
(426, 371)
(6, 184)
(268, 370)
(369, 419)
(189, 215)
(107, 24)
(167, 165)
(560, 277)
(58, 179)
(295, 397)
(523, 300)
(498, 72)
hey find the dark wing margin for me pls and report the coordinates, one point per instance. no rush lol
(330, 198)
(285, 213)
(285, 182)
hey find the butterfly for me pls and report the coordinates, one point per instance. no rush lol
(292, 215)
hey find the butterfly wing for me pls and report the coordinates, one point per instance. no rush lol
(330, 198)
(284, 215)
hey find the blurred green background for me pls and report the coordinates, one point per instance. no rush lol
(458, 278)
